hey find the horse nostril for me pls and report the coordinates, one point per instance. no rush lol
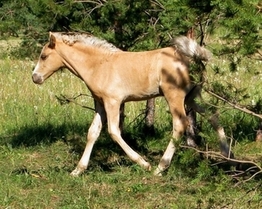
(37, 78)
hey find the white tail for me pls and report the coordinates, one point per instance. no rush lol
(191, 48)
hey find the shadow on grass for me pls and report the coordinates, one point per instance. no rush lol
(106, 154)
(32, 135)
(75, 136)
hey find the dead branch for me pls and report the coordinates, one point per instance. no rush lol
(216, 155)
(259, 52)
(220, 156)
(243, 109)
(65, 100)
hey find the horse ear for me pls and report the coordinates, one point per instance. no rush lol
(52, 41)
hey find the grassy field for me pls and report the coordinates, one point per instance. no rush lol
(41, 141)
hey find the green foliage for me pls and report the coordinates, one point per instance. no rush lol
(241, 22)
(133, 25)
(195, 166)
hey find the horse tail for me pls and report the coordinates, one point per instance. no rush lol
(191, 48)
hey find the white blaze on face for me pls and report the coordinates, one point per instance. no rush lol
(36, 68)
(37, 77)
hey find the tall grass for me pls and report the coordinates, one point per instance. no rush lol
(25, 107)
(41, 141)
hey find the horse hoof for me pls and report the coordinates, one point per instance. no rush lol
(158, 172)
(147, 166)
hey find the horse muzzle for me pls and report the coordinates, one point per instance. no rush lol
(37, 78)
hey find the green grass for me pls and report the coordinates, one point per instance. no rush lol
(41, 141)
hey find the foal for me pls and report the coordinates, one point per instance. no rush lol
(115, 77)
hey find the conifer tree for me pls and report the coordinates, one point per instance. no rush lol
(135, 25)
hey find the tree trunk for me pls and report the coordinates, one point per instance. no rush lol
(150, 116)
(150, 112)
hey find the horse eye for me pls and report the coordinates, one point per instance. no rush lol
(43, 56)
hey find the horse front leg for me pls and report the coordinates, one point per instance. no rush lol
(112, 112)
(92, 135)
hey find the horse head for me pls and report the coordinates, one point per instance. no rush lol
(49, 61)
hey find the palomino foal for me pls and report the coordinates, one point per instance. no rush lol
(115, 77)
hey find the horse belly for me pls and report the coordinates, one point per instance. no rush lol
(129, 81)
(142, 96)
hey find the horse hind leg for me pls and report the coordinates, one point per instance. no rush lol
(180, 123)
(224, 147)
(191, 138)
(196, 108)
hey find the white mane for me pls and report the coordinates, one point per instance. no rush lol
(85, 38)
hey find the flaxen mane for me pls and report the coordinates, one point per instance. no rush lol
(88, 39)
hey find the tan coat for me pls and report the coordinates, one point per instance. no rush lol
(114, 77)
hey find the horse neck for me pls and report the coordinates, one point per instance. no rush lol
(78, 59)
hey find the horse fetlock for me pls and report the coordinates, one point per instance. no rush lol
(77, 171)
(191, 142)
(164, 164)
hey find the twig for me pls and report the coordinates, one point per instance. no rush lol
(220, 156)
(243, 109)
(243, 172)
(65, 99)
(251, 177)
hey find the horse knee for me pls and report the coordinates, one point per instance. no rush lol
(92, 135)
(94, 132)
(95, 128)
